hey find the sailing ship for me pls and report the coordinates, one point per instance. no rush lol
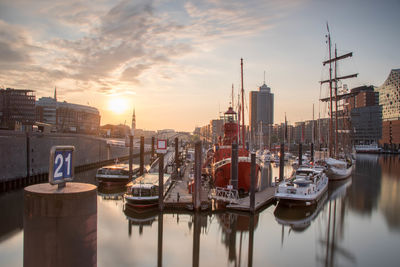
(339, 165)
(221, 158)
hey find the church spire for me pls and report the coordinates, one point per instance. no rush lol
(55, 93)
(133, 122)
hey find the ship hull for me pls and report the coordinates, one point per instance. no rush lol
(222, 175)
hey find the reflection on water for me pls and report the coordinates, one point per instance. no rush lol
(356, 223)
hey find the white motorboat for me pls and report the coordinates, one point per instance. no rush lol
(304, 160)
(144, 191)
(338, 169)
(305, 187)
(266, 156)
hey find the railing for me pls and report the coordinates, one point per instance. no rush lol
(225, 194)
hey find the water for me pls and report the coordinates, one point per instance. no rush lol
(356, 224)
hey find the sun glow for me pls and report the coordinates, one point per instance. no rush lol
(118, 105)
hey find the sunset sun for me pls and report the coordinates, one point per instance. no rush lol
(118, 105)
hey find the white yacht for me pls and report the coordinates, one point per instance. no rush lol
(338, 169)
(305, 187)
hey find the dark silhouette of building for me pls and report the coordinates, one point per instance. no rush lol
(17, 108)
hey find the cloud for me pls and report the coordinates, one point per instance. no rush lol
(109, 44)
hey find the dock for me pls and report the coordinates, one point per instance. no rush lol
(262, 198)
(180, 188)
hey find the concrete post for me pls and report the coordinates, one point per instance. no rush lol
(253, 182)
(282, 162)
(234, 166)
(197, 176)
(160, 239)
(161, 182)
(60, 225)
(141, 166)
(130, 156)
(300, 154)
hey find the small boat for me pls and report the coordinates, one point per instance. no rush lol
(371, 148)
(304, 161)
(338, 169)
(304, 188)
(144, 191)
(266, 156)
(116, 173)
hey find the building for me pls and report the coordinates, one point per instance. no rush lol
(365, 115)
(77, 118)
(261, 111)
(217, 130)
(17, 109)
(46, 110)
(389, 99)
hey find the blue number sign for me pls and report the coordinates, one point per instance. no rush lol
(61, 165)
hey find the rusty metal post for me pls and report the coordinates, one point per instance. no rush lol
(197, 176)
(141, 166)
(282, 162)
(234, 166)
(130, 156)
(253, 182)
(161, 182)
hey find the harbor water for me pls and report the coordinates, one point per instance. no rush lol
(357, 223)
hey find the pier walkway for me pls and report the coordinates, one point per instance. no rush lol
(262, 198)
(180, 188)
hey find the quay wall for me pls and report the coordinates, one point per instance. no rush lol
(20, 151)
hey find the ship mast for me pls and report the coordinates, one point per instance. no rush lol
(242, 107)
(335, 59)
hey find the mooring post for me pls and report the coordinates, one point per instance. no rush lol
(160, 239)
(253, 182)
(141, 166)
(130, 156)
(161, 182)
(176, 152)
(281, 162)
(234, 166)
(300, 154)
(152, 148)
(312, 153)
(197, 176)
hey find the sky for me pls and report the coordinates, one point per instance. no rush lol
(174, 62)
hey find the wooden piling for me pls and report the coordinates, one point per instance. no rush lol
(253, 182)
(152, 147)
(312, 152)
(281, 162)
(141, 166)
(196, 239)
(176, 153)
(234, 166)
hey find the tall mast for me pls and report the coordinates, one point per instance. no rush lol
(330, 93)
(336, 110)
(233, 97)
(242, 108)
